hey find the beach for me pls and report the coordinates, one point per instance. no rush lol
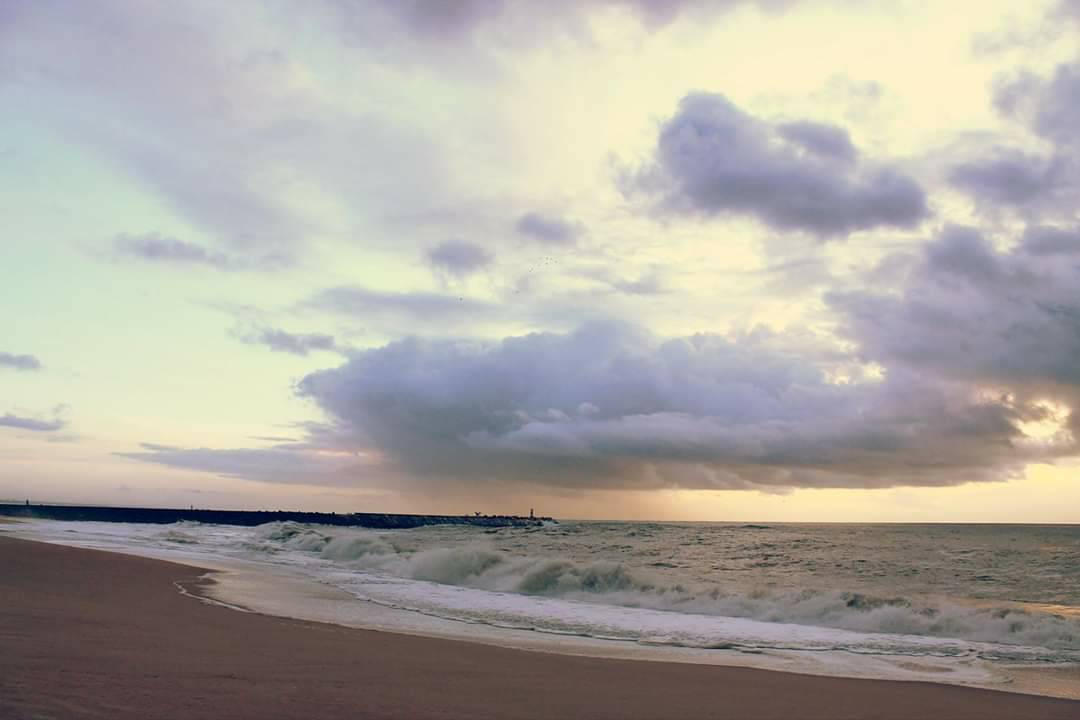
(86, 634)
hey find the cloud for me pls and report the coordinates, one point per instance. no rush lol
(1050, 109)
(459, 258)
(392, 307)
(1068, 9)
(827, 141)
(1007, 177)
(232, 138)
(282, 341)
(19, 362)
(33, 424)
(443, 29)
(192, 126)
(63, 439)
(1048, 240)
(549, 229)
(712, 159)
(799, 274)
(156, 248)
(611, 406)
(279, 464)
(970, 312)
(648, 283)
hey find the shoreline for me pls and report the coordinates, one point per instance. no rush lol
(92, 633)
(281, 591)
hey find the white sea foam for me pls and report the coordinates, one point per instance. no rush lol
(471, 581)
(372, 560)
(657, 627)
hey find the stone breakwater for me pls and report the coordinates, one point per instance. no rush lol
(164, 516)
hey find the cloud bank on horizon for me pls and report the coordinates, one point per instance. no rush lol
(498, 246)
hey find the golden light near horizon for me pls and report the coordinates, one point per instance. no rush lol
(1051, 429)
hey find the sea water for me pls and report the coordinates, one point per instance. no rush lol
(939, 598)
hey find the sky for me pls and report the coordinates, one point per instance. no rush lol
(790, 260)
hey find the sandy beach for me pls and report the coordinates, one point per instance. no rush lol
(88, 634)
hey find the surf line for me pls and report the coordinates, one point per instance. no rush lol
(209, 600)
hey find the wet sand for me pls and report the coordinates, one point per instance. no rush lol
(88, 634)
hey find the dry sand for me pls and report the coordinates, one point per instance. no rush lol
(88, 634)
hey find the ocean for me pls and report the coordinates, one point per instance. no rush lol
(972, 604)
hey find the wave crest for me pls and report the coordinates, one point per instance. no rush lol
(613, 583)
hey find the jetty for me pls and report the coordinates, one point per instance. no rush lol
(165, 516)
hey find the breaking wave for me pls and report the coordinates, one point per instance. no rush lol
(178, 536)
(613, 583)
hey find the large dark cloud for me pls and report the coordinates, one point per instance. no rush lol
(713, 159)
(19, 362)
(612, 406)
(967, 311)
(28, 423)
